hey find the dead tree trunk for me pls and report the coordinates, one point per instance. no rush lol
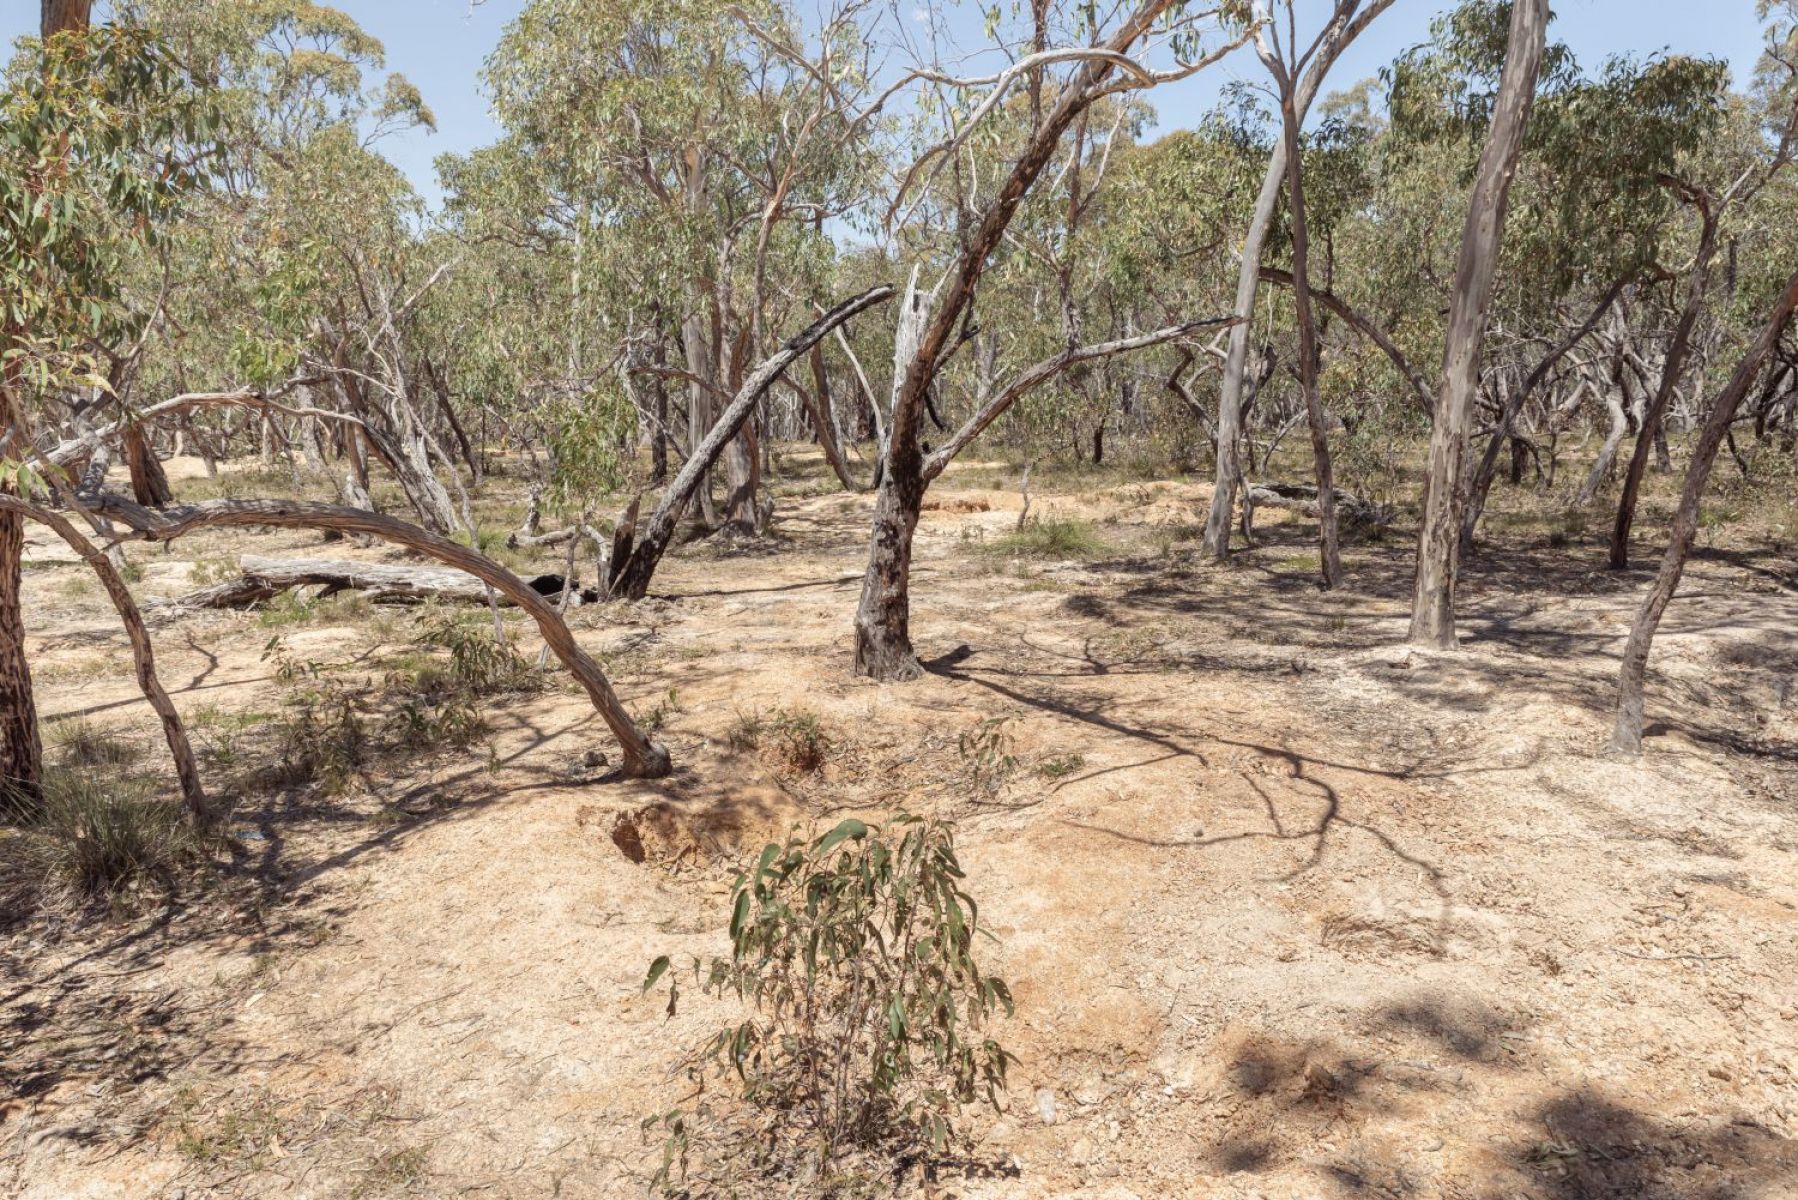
(1626, 736)
(633, 576)
(1650, 433)
(643, 758)
(187, 769)
(1439, 541)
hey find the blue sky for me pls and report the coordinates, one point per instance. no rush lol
(440, 44)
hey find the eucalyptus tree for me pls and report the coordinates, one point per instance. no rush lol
(1348, 18)
(1439, 539)
(101, 135)
(934, 323)
(1712, 204)
(711, 138)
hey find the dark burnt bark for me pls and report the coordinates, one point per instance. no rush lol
(883, 648)
(148, 481)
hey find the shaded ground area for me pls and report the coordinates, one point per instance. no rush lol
(1288, 910)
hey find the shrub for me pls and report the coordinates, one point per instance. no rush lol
(854, 953)
(479, 662)
(801, 744)
(82, 744)
(92, 834)
(1050, 537)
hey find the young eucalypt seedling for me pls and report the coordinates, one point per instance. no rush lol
(865, 1033)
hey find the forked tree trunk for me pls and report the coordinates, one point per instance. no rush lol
(1651, 433)
(1626, 736)
(1439, 542)
(1344, 27)
(187, 769)
(642, 757)
(633, 576)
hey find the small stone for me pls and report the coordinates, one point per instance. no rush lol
(1082, 1152)
(1045, 1105)
(1000, 1133)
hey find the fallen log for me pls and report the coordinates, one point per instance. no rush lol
(1302, 497)
(264, 578)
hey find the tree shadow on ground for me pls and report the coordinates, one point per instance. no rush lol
(1370, 1118)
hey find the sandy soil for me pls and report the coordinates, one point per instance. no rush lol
(1288, 910)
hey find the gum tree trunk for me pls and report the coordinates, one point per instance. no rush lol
(21, 750)
(1626, 736)
(1439, 542)
(1329, 551)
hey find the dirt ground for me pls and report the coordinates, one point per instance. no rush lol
(1289, 910)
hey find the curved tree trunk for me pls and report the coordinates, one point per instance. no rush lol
(1439, 541)
(1626, 735)
(187, 769)
(642, 757)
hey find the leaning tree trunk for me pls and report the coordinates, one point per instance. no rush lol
(631, 579)
(1439, 541)
(1651, 432)
(187, 769)
(1626, 736)
(643, 758)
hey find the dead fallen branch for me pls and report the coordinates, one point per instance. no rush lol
(265, 578)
